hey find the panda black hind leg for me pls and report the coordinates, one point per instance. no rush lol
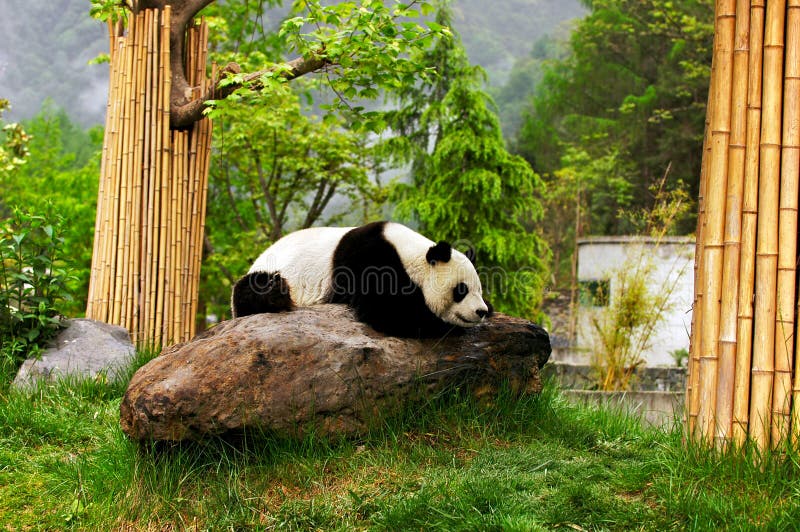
(260, 292)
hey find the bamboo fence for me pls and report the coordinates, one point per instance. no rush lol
(743, 382)
(153, 183)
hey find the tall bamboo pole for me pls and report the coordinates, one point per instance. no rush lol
(767, 233)
(787, 225)
(137, 176)
(151, 22)
(203, 169)
(744, 330)
(157, 119)
(105, 193)
(732, 236)
(695, 340)
(715, 214)
(121, 219)
(165, 177)
(111, 205)
(103, 182)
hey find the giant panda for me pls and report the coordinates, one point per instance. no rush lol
(396, 280)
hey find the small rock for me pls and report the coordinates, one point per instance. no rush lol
(83, 348)
(318, 369)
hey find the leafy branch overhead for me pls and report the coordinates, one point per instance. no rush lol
(360, 47)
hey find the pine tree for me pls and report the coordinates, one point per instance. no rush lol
(465, 187)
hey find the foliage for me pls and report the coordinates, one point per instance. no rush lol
(33, 284)
(680, 356)
(368, 46)
(526, 74)
(624, 329)
(637, 82)
(60, 175)
(464, 186)
(632, 92)
(582, 197)
(13, 144)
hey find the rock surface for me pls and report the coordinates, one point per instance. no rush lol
(83, 348)
(318, 368)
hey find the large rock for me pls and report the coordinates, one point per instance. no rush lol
(318, 368)
(84, 348)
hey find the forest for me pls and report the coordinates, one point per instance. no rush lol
(595, 121)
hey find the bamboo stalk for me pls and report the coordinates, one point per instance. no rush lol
(695, 341)
(787, 231)
(191, 54)
(164, 176)
(732, 234)
(121, 217)
(188, 184)
(175, 220)
(207, 136)
(94, 297)
(112, 40)
(182, 243)
(177, 234)
(744, 331)
(108, 264)
(135, 182)
(126, 192)
(190, 211)
(102, 182)
(715, 214)
(205, 128)
(192, 224)
(767, 232)
(147, 175)
(188, 219)
(156, 126)
(204, 152)
(138, 177)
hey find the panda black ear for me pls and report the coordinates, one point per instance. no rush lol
(470, 253)
(441, 252)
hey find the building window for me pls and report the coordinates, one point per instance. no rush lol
(594, 293)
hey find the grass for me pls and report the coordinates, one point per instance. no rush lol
(538, 463)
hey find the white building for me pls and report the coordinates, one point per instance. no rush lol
(604, 263)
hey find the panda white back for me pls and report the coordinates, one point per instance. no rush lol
(303, 259)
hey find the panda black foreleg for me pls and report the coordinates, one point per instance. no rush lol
(260, 292)
(401, 316)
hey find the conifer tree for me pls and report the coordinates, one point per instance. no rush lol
(465, 187)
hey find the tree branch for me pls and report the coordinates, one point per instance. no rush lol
(185, 112)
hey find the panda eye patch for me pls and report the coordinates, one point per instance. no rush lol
(460, 291)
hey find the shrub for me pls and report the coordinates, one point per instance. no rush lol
(33, 283)
(626, 327)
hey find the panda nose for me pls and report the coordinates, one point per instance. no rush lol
(482, 313)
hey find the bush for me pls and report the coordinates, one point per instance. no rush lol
(33, 283)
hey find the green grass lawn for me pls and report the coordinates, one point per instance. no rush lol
(538, 463)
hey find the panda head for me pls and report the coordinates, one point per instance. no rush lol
(451, 288)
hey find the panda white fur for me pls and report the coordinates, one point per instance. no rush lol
(396, 280)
